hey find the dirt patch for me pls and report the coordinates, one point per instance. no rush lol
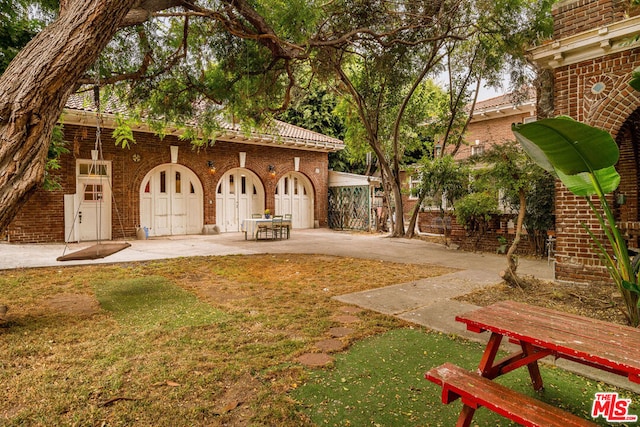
(316, 360)
(340, 332)
(331, 345)
(75, 304)
(598, 301)
(232, 406)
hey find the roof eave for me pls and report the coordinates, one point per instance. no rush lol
(588, 45)
(88, 118)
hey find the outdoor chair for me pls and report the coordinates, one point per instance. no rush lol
(289, 220)
(263, 231)
(277, 227)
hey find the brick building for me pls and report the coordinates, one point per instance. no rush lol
(592, 54)
(170, 188)
(490, 124)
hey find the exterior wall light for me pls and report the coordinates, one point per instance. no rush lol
(212, 167)
(272, 171)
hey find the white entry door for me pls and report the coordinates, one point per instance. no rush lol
(93, 195)
(171, 201)
(294, 196)
(239, 194)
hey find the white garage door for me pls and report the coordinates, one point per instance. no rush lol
(239, 194)
(171, 201)
(294, 196)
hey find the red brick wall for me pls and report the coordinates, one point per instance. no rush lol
(609, 109)
(489, 132)
(575, 16)
(42, 217)
(430, 222)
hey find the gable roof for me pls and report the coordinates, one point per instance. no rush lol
(504, 105)
(81, 110)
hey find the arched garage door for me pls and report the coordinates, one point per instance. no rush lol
(239, 194)
(171, 200)
(294, 195)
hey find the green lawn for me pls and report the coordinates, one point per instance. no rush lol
(215, 341)
(380, 381)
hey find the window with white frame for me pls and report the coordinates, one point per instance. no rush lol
(477, 149)
(414, 184)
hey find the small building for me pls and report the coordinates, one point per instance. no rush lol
(352, 201)
(167, 187)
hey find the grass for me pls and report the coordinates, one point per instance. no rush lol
(154, 302)
(176, 342)
(214, 341)
(380, 382)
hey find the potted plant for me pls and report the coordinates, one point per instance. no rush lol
(267, 213)
(502, 245)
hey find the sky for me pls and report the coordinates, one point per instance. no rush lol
(486, 93)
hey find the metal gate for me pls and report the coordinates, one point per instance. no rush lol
(349, 208)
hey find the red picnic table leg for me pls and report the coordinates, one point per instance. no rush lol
(534, 369)
(464, 420)
(485, 368)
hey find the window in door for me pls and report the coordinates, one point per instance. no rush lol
(92, 169)
(92, 192)
(163, 182)
(178, 183)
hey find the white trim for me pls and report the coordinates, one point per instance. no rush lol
(587, 45)
(174, 154)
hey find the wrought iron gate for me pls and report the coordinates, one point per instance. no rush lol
(349, 208)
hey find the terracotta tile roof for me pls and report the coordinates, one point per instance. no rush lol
(504, 105)
(503, 101)
(277, 133)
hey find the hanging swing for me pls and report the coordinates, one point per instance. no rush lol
(100, 249)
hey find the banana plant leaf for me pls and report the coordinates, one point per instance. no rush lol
(635, 79)
(582, 184)
(576, 153)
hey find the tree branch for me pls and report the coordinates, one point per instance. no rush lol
(145, 10)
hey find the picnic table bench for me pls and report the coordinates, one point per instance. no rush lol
(539, 332)
(475, 390)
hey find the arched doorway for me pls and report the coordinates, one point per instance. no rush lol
(626, 200)
(239, 194)
(294, 195)
(171, 201)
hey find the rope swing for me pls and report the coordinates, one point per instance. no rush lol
(98, 167)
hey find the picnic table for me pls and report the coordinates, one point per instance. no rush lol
(539, 332)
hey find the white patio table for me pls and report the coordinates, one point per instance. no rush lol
(250, 226)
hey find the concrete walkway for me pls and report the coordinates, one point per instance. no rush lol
(428, 302)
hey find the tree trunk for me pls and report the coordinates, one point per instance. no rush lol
(414, 217)
(509, 275)
(544, 93)
(35, 88)
(398, 223)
